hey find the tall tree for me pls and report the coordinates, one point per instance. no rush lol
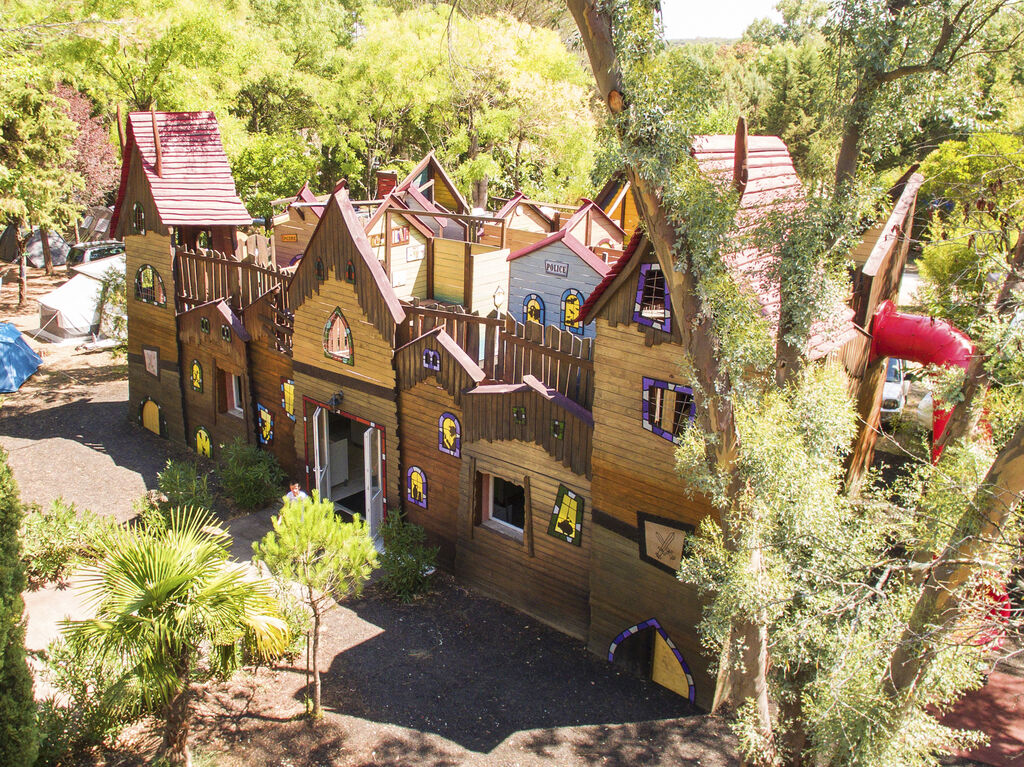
(327, 558)
(19, 739)
(163, 596)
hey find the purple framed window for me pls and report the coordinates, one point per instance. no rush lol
(652, 306)
(668, 408)
(449, 435)
(416, 486)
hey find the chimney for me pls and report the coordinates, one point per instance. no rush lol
(739, 168)
(387, 180)
(156, 141)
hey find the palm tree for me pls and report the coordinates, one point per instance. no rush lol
(163, 595)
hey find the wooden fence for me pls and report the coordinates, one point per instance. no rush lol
(507, 350)
(206, 276)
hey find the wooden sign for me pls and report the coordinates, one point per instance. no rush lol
(662, 540)
(289, 238)
(376, 240)
(556, 268)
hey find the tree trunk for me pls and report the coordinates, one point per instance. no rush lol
(849, 150)
(177, 717)
(480, 193)
(978, 531)
(317, 707)
(44, 240)
(22, 266)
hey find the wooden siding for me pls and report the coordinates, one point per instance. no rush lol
(204, 408)
(489, 416)
(527, 275)
(452, 377)
(154, 327)
(409, 278)
(449, 271)
(300, 222)
(515, 239)
(620, 305)
(489, 272)
(206, 275)
(551, 582)
(420, 407)
(625, 590)
(137, 190)
(593, 230)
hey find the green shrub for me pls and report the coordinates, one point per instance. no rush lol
(249, 476)
(81, 720)
(296, 615)
(406, 563)
(54, 540)
(183, 485)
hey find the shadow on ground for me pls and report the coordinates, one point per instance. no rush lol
(476, 672)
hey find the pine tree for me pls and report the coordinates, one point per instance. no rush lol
(18, 736)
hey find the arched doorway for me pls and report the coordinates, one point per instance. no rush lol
(151, 416)
(647, 650)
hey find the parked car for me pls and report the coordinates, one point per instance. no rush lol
(84, 252)
(894, 393)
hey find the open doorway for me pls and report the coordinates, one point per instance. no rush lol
(347, 463)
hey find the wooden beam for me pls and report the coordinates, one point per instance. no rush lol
(120, 128)
(156, 141)
(739, 168)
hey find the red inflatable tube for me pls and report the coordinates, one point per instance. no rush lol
(920, 339)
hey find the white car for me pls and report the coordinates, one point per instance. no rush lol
(894, 393)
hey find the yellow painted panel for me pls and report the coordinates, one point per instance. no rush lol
(666, 670)
(151, 417)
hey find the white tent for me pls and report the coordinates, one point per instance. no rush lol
(70, 311)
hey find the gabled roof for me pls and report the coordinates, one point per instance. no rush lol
(521, 199)
(563, 235)
(195, 187)
(611, 190)
(440, 335)
(306, 195)
(532, 384)
(589, 206)
(224, 310)
(430, 159)
(392, 201)
(510, 206)
(593, 302)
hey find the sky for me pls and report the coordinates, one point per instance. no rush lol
(685, 19)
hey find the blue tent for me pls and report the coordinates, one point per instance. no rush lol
(17, 360)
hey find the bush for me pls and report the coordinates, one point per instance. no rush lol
(54, 540)
(183, 485)
(250, 476)
(296, 615)
(82, 720)
(406, 563)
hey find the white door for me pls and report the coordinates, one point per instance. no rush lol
(321, 460)
(373, 482)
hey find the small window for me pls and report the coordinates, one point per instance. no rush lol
(668, 408)
(503, 504)
(204, 239)
(449, 435)
(149, 286)
(338, 339)
(225, 332)
(416, 487)
(518, 415)
(229, 394)
(151, 359)
(288, 397)
(652, 306)
(196, 376)
(318, 269)
(204, 324)
(567, 516)
(264, 425)
(138, 219)
(431, 359)
(572, 302)
(350, 272)
(204, 446)
(557, 428)
(533, 309)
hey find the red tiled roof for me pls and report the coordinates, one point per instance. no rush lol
(196, 187)
(582, 211)
(306, 195)
(585, 254)
(509, 206)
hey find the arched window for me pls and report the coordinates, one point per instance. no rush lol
(350, 272)
(225, 332)
(204, 445)
(151, 416)
(149, 286)
(138, 219)
(338, 339)
(204, 324)
(416, 487)
(318, 269)
(449, 435)
(572, 302)
(196, 375)
(652, 306)
(533, 309)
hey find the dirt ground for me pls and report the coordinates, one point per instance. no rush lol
(453, 679)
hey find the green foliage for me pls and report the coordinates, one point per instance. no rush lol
(251, 477)
(57, 539)
(111, 307)
(406, 563)
(183, 485)
(82, 718)
(296, 616)
(18, 732)
(168, 599)
(273, 166)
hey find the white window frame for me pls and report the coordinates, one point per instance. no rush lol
(234, 396)
(487, 510)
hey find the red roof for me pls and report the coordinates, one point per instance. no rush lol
(306, 195)
(588, 205)
(585, 254)
(771, 184)
(196, 187)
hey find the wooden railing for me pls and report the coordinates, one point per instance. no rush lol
(205, 275)
(507, 350)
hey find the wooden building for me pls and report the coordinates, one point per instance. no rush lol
(292, 228)
(176, 191)
(550, 280)
(616, 199)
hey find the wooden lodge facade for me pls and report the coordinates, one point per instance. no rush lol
(389, 371)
